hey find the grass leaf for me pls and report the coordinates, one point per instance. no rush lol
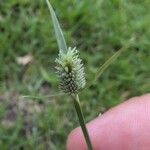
(38, 97)
(58, 31)
(112, 59)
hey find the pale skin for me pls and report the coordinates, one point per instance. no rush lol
(124, 127)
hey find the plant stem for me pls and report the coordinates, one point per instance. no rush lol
(81, 121)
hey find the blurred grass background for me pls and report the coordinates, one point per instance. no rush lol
(98, 28)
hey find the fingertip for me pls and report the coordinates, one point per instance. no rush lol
(75, 140)
(115, 128)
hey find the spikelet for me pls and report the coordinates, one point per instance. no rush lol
(70, 71)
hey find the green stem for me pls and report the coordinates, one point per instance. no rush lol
(81, 121)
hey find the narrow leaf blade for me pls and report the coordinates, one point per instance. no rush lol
(58, 31)
(112, 59)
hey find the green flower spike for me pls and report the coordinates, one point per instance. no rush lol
(70, 71)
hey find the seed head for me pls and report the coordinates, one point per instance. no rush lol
(70, 71)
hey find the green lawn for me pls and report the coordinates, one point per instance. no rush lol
(98, 29)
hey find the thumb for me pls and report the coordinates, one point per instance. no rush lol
(124, 127)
